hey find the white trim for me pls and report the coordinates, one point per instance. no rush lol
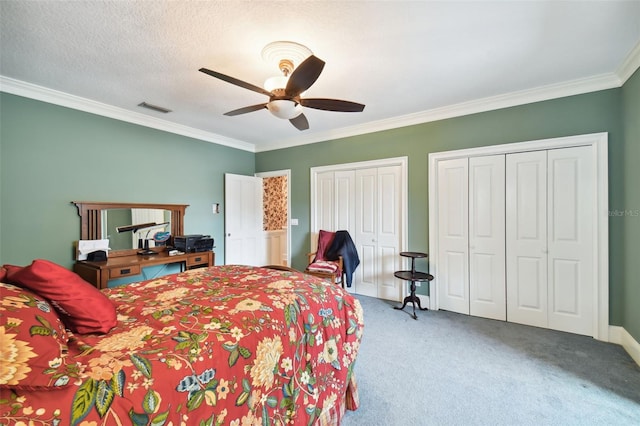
(286, 173)
(620, 336)
(424, 300)
(599, 141)
(403, 162)
(522, 97)
(28, 90)
(629, 65)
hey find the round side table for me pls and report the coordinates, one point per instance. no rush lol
(413, 276)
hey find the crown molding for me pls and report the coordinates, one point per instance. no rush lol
(33, 91)
(553, 91)
(630, 64)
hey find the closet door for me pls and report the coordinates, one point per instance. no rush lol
(344, 189)
(571, 215)
(388, 232)
(377, 236)
(365, 238)
(453, 235)
(526, 237)
(325, 202)
(487, 295)
(335, 199)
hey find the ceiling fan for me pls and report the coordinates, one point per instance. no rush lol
(285, 92)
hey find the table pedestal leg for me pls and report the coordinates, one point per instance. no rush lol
(413, 299)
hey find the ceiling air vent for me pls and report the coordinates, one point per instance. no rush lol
(154, 107)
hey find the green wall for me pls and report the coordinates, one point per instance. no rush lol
(582, 114)
(630, 221)
(51, 155)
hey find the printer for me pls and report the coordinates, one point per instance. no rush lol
(193, 243)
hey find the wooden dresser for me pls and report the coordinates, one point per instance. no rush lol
(99, 273)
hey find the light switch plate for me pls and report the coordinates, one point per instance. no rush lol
(294, 222)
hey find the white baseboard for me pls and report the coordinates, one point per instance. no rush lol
(620, 336)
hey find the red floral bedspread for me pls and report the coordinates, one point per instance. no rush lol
(228, 345)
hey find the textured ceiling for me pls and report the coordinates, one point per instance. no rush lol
(401, 59)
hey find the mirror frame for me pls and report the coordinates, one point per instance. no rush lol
(90, 213)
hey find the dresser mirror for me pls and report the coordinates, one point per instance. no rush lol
(102, 220)
(115, 220)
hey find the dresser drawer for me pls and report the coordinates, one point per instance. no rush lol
(198, 259)
(124, 271)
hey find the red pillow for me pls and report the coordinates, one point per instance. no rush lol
(9, 270)
(33, 342)
(324, 241)
(82, 306)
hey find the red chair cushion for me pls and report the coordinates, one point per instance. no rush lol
(323, 266)
(83, 308)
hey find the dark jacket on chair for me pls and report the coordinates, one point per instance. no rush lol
(342, 245)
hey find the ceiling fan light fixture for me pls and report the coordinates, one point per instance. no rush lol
(273, 83)
(285, 92)
(285, 109)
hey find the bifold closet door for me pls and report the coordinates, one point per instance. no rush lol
(526, 204)
(550, 234)
(453, 235)
(571, 213)
(325, 203)
(377, 237)
(335, 199)
(487, 281)
(471, 215)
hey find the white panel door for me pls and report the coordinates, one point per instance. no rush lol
(345, 211)
(366, 231)
(244, 235)
(388, 232)
(571, 201)
(487, 281)
(453, 235)
(526, 237)
(345, 199)
(325, 193)
(378, 234)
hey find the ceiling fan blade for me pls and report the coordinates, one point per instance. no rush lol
(304, 76)
(300, 122)
(245, 110)
(332, 105)
(235, 81)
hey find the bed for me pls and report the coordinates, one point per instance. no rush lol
(225, 345)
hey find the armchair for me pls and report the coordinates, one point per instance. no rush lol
(323, 267)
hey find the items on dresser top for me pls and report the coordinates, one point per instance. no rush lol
(99, 273)
(193, 243)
